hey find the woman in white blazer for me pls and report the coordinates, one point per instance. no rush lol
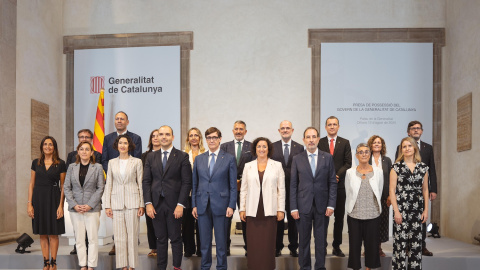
(262, 204)
(363, 187)
(83, 190)
(124, 201)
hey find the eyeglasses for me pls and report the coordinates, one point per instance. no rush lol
(362, 153)
(211, 138)
(415, 128)
(84, 137)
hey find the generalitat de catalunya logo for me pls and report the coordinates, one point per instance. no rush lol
(96, 84)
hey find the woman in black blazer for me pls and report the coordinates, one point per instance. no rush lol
(379, 149)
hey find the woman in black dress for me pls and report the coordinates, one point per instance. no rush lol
(45, 199)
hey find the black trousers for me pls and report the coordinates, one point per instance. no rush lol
(366, 231)
(167, 227)
(152, 240)
(229, 226)
(188, 231)
(292, 228)
(339, 214)
(424, 235)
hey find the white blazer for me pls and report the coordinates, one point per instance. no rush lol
(352, 186)
(273, 188)
(124, 192)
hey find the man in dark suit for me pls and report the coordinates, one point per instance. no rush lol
(340, 149)
(283, 151)
(214, 196)
(84, 135)
(167, 181)
(121, 123)
(415, 130)
(313, 195)
(240, 149)
(108, 152)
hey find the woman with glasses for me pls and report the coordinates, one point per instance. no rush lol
(153, 145)
(363, 188)
(379, 160)
(409, 196)
(194, 147)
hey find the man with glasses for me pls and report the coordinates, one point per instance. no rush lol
(214, 196)
(283, 151)
(415, 130)
(313, 195)
(240, 149)
(84, 135)
(341, 151)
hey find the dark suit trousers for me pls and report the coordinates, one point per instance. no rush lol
(167, 227)
(244, 227)
(339, 214)
(152, 240)
(188, 231)
(206, 223)
(304, 226)
(368, 232)
(292, 229)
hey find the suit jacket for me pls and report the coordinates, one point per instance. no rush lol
(72, 157)
(342, 156)
(273, 189)
(175, 181)
(352, 186)
(245, 157)
(305, 189)
(220, 188)
(92, 190)
(108, 152)
(124, 192)
(386, 167)
(426, 153)
(277, 155)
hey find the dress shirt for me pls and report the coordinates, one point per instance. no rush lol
(379, 161)
(289, 145)
(334, 140)
(118, 134)
(210, 156)
(236, 147)
(123, 166)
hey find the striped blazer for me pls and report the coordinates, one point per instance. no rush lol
(125, 192)
(92, 190)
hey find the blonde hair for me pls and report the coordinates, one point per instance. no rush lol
(201, 148)
(416, 155)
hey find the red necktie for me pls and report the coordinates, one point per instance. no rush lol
(332, 147)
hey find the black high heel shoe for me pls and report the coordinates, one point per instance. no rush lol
(53, 263)
(46, 263)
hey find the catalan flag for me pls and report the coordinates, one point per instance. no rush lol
(99, 130)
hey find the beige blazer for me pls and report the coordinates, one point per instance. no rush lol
(273, 188)
(352, 186)
(125, 192)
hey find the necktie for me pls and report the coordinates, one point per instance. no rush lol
(418, 144)
(286, 153)
(332, 147)
(239, 152)
(312, 163)
(164, 161)
(212, 164)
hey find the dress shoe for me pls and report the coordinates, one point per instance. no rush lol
(74, 251)
(338, 252)
(187, 254)
(245, 254)
(199, 253)
(278, 253)
(112, 251)
(228, 252)
(293, 253)
(426, 252)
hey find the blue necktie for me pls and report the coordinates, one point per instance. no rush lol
(312, 163)
(286, 153)
(212, 164)
(164, 161)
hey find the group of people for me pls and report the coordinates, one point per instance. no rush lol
(198, 189)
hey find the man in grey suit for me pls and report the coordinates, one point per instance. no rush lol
(167, 182)
(283, 151)
(313, 195)
(240, 149)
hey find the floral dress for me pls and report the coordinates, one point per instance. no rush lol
(407, 236)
